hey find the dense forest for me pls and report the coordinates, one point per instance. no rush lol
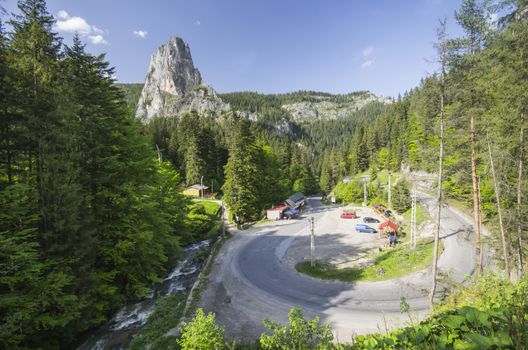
(89, 216)
(91, 207)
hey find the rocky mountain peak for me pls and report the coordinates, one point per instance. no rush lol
(174, 85)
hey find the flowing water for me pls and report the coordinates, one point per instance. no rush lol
(119, 331)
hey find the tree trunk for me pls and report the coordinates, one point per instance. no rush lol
(474, 180)
(438, 201)
(441, 38)
(519, 215)
(499, 213)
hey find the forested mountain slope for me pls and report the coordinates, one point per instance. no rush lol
(90, 197)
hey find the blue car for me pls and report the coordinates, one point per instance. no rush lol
(365, 229)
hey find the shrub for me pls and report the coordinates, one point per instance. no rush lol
(401, 198)
(202, 333)
(300, 334)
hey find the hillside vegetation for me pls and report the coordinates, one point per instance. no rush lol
(92, 213)
(489, 314)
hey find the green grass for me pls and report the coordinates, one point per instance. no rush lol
(422, 215)
(211, 208)
(395, 262)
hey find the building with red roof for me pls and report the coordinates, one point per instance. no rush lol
(276, 212)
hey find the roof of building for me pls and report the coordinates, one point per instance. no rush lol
(198, 187)
(297, 197)
(390, 224)
(278, 207)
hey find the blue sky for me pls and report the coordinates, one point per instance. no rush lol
(268, 46)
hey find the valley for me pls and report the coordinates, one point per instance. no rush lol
(159, 215)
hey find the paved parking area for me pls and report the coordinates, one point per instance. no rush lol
(337, 241)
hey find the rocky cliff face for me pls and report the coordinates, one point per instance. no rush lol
(331, 107)
(173, 85)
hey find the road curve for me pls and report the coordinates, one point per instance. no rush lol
(252, 280)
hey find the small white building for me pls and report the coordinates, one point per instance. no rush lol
(276, 212)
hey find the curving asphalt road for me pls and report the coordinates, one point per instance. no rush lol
(252, 279)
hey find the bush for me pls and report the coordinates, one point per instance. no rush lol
(493, 316)
(202, 333)
(401, 198)
(351, 192)
(300, 334)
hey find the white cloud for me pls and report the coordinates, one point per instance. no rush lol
(197, 23)
(68, 24)
(367, 51)
(368, 57)
(63, 15)
(97, 39)
(140, 34)
(367, 64)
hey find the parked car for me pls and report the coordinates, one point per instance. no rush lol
(365, 229)
(370, 220)
(291, 214)
(348, 215)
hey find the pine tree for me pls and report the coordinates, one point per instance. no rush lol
(242, 178)
(471, 17)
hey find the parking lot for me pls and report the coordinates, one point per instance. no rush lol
(337, 241)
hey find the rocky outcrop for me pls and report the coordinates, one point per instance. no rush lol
(173, 85)
(331, 107)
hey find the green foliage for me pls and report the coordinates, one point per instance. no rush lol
(131, 93)
(92, 217)
(242, 186)
(299, 334)
(401, 197)
(209, 208)
(422, 215)
(351, 192)
(201, 222)
(202, 333)
(477, 324)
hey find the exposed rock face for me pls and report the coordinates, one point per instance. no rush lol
(328, 107)
(173, 85)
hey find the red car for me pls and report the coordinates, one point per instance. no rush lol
(348, 215)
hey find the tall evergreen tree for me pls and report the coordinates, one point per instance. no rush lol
(242, 188)
(471, 16)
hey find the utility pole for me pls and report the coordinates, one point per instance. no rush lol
(389, 199)
(364, 191)
(413, 216)
(312, 242)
